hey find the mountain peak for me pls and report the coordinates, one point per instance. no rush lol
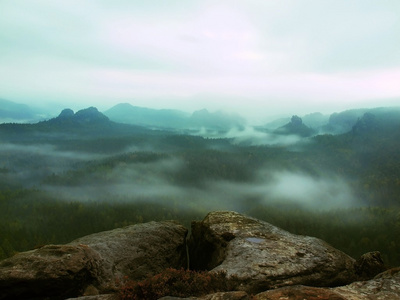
(84, 116)
(90, 114)
(296, 127)
(66, 113)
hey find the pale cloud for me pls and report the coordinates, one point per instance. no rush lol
(253, 56)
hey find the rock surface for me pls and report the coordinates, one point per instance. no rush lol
(299, 292)
(98, 297)
(258, 258)
(262, 256)
(94, 264)
(138, 251)
(55, 271)
(216, 296)
(369, 265)
(384, 286)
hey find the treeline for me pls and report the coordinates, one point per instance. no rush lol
(371, 170)
(29, 219)
(355, 231)
(368, 160)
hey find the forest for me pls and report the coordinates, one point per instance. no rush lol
(68, 177)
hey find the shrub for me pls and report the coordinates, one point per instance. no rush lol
(176, 283)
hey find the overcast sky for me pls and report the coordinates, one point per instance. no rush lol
(261, 57)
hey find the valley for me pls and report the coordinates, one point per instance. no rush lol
(83, 172)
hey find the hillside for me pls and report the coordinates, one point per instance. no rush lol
(83, 126)
(173, 119)
(295, 127)
(162, 118)
(15, 112)
(94, 174)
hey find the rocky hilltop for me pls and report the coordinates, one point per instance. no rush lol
(259, 260)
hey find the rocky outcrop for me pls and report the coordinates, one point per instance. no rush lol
(385, 286)
(56, 271)
(217, 296)
(295, 127)
(369, 265)
(300, 292)
(260, 260)
(94, 264)
(98, 297)
(259, 256)
(138, 251)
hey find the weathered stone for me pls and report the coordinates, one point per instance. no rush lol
(299, 293)
(227, 296)
(240, 295)
(260, 256)
(369, 265)
(177, 298)
(98, 297)
(138, 251)
(385, 286)
(56, 271)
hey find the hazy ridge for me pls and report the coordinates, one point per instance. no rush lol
(330, 179)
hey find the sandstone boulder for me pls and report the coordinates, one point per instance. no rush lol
(138, 251)
(384, 286)
(217, 296)
(259, 256)
(299, 292)
(54, 271)
(98, 297)
(369, 265)
(94, 264)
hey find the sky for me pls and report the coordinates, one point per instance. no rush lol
(259, 58)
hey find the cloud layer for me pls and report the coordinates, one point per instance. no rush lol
(151, 182)
(254, 57)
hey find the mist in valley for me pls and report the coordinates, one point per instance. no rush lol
(63, 182)
(160, 181)
(251, 136)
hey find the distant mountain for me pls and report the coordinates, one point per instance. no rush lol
(295, 127)
(218, 120)
(378, 121)
(316, 120)
(86, 123)
(272, 125)
(85, 116)
(165, 118)
(15, 112)
(173, 119)
(344, 121)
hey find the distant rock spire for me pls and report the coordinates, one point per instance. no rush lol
(66, 113)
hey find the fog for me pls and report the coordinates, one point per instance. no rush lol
(30, 164)
(154, 183)
(249, 136)
(252, 137)
(160, 181)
